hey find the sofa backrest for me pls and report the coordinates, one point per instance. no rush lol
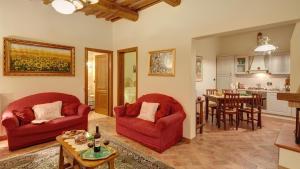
(41, 98)
(162, 99)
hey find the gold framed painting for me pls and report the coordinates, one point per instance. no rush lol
(162, 62)
(31, 58)
(199, 68)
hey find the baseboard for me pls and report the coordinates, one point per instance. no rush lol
(3, 138)
(186, 140)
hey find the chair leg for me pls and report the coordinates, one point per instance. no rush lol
(252, 120)
(224, 119)
(237, 117)
(212, 115)
(259, 120)
(247, 118)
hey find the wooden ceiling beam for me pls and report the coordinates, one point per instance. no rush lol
(173, 2)
(46, 2)
(120, 11)
(142, 3)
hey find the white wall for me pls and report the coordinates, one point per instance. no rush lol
(163, 26)
(30, 19)
(295, 59)
(208, 48)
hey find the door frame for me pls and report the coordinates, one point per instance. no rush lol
(120, 79)
(110, 76)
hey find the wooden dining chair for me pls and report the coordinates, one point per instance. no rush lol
(227, 91)
(230, 107)
(254, 108)
(212, 105)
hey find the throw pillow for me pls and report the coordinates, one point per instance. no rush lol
(148, 111)
(24, 116)
(133, 110)
(70, 109)
(47, 111)
(163, 111)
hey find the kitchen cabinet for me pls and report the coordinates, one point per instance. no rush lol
(277, 107)
(225, 71)
(241, 64)
(280, 64)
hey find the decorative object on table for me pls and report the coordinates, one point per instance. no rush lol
(47, 158)
(90, 154)
(97, 143)
(162, 62)
(199, 68)
(31, 58)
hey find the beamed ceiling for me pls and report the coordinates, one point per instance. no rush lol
(113, 10)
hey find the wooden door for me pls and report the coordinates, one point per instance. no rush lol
(101, 84)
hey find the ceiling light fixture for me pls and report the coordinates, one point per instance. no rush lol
(70, 6)
(263, 44)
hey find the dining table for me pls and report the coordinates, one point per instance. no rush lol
(219, 99)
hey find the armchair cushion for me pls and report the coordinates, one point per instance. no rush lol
(70, 109)
(163, 111)
(24, 116)
(120, 111)
(133, 110)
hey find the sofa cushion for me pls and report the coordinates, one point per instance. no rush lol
(47, 111)
(24, 116)
(53, 125)
(148, 111)
(133, 110)
(163, 111)
(69, 109)
(141, 126)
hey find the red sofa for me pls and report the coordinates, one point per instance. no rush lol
(30, 134)
(159, 136)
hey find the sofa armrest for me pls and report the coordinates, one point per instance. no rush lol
(83, 110)
(9, 120)
(119, 111)
(169, 120)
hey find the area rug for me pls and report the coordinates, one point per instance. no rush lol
(48, 159)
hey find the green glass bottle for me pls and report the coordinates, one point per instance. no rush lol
(97, 146)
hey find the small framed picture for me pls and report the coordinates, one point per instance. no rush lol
(199, 68)
(162, 62)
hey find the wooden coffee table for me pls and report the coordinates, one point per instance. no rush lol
(67, 151)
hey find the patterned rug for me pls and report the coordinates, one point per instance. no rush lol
(48, 159)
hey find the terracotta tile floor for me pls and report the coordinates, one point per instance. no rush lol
(214, 149)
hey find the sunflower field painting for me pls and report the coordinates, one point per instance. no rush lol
(37, 58)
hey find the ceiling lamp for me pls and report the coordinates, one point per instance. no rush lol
(263, 44)
(70, 6)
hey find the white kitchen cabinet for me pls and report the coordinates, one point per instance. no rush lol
(280, 64)
(225, 71)
(277, 107)
(241, 64)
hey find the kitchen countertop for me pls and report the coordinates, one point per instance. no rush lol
(267, 91)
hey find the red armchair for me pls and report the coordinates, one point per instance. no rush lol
(30, 134)
(159, 136)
